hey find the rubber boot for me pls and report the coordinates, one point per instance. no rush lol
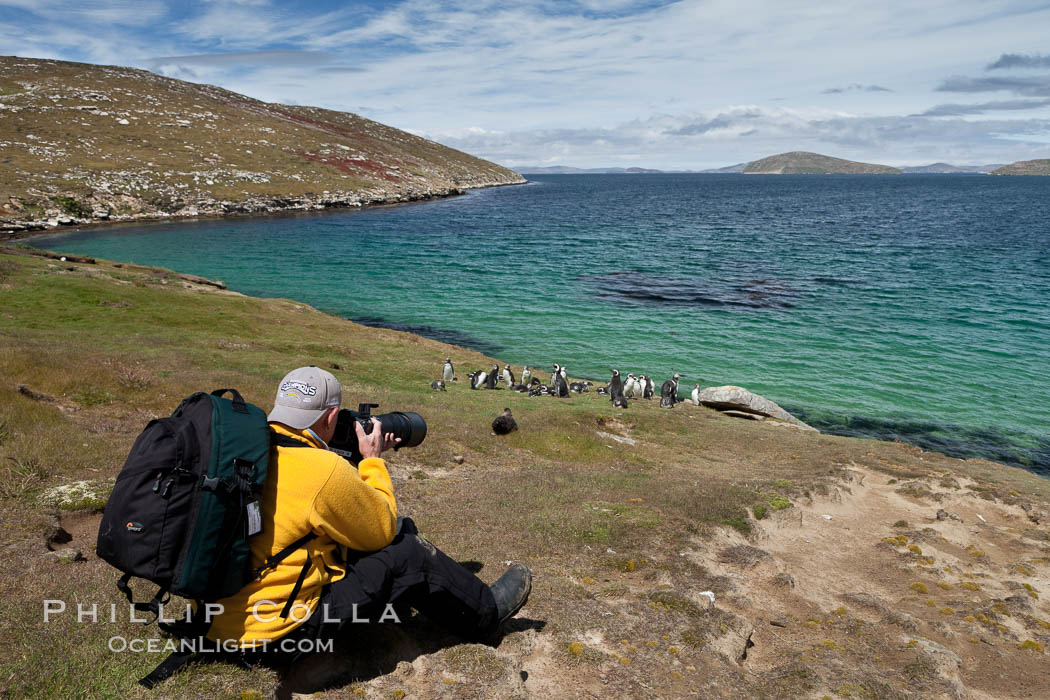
(511, 590)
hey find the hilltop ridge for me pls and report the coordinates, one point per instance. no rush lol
(805, 163)
(1040, 166)
(86, 143)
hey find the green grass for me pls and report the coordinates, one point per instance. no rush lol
(114, 348)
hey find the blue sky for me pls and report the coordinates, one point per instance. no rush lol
(589, 83)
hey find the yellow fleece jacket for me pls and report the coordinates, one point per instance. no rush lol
(307, 490)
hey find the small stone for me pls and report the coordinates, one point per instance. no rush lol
(784, 579)
(70, 554)
(942, 514)
(458, 459)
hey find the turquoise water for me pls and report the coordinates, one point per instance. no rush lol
(911, 307)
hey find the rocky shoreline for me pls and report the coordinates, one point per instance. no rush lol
(105, 205)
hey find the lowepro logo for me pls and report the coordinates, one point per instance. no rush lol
(133, 527)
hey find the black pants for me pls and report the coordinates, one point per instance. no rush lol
(409, 572)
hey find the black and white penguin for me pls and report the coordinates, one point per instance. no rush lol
(437, 385)
(538, 391)
(648, 392)
(669, 392)
(508, 376)
(493, 378)
(520, 388)
(579, 387)
(696, 395)
(478, 379)
(534, 382)
(448, 372)
(554, 375)
(504, 423)
(526, 374)
(603, 391)
(561, 387)
(616, 390)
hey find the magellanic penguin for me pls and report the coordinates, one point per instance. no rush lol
(629, 385)
(603, 391)
(554, 375)
(526, 374)
(535, 381)
(616, 390)
(477, 380)
(696, 395)
(648, 392)
(504, 423)
(437, 385)
(490, 381)
(562, 385)
(579, 387)
(669, 392)
(508, 377)
(448, 372)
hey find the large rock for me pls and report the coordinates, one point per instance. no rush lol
(737, 398)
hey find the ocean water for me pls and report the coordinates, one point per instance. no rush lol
(911, 307)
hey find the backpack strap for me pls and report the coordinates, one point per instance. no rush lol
(276, 559)
(191, 633)
(166, 668)
(239, 404)
(152, 606)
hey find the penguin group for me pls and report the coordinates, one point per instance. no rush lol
(619, 390)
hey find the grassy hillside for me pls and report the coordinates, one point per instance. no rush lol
(85, 143)
(1025, 167)
(801, 162)
(833, 574)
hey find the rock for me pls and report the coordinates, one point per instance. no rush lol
(35, 395)
(942, 514)
(946, 663)
(78, 495)
(70, 554)
(458, 459)
(617, 438)
(784, 580)
(736, 398)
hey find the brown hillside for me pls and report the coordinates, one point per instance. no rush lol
(1025, 167)
(85, 143)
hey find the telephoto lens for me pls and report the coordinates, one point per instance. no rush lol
(408, 426)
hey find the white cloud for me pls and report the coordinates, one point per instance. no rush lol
(596, 79)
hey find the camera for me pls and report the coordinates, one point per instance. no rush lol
(410, 427)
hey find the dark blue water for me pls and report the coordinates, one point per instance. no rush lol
(911, 307)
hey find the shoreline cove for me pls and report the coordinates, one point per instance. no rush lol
(874, 330)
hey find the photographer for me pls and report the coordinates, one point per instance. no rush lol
(353, 557)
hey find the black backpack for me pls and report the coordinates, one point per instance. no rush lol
(185, 505)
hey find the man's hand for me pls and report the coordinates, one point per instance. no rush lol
(372, 444)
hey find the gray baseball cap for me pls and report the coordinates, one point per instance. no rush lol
(304, 395)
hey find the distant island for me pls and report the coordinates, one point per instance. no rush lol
(1025, 167)
(84, 143)
(805, 163)
(801, 162)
